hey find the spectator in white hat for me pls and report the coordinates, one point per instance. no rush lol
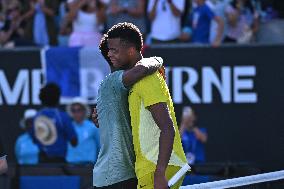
(88, 146)
(25, 149)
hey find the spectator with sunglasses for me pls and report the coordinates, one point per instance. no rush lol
(88, 146)
(165, 17)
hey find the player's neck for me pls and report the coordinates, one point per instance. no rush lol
(137, 58)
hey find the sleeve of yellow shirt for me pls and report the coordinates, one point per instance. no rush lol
(152, 89)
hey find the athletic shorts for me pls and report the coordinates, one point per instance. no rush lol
(127, 184)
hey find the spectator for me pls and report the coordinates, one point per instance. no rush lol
(87, 16)
(2, 20)
(3, 161)
(52, 129)
(106, 2)
(193, 138)
(127, 11)
(2, 15)
(41, 24)
(199, 23)
(242, 21)
(3, 4)
(12, 32)
(165, 17)
(65, 27)
(88, 146)
(218, 7)
(25, 149)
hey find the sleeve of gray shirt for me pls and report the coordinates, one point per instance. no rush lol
(117, 81)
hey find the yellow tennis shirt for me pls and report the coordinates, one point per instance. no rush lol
(149, 91)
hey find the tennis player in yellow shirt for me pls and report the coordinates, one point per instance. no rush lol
(157, 143)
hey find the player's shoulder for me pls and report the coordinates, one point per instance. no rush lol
(154, 80)
(116, 74)
(112, 77)
(155, 77)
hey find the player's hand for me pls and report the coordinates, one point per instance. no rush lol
(160, 181)
(95, 118)
(151, 64)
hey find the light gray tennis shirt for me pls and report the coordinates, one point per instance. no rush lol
(116, 158)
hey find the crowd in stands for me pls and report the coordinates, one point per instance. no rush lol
(51, 135)
(83, 22)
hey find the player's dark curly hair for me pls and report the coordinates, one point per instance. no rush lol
(50, 95)
(104, 48)
(128, 33)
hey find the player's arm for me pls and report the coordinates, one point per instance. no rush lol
(145, 67)
(162, 118)
(154, 97)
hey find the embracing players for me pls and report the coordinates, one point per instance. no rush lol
(157, 145)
